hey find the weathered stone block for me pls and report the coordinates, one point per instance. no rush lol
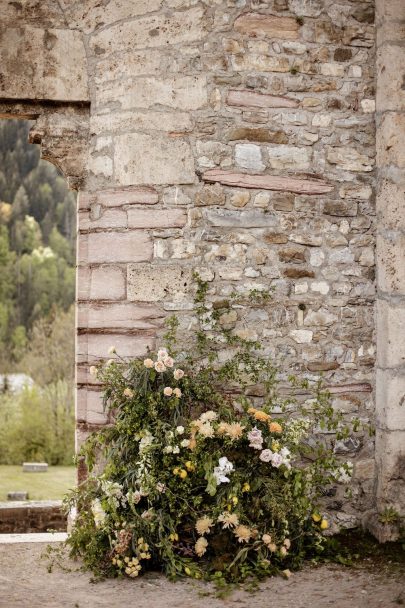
(289, 157)
(260, 135)
(390, 141)
(350, 159)
(35, 467)
(391, 262)
(239, 219)
(147, 159)
(259, 100)
(93, 347)
(301, 336)
(390, 400)
(255, 24)
(148, 283)
(249, 156)
(267, 182)
(89, 407)
(390, 325)
(122, 122)
(151, 31)
(156, 218)
(122, 315)
(391, 204)
(34, 64)
(390, 463)
(390, 62)
(107, 283)
(103, 218)
(111, 247)
(90, 16)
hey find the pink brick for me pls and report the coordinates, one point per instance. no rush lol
(268, 182)
(115, 247)
(92, 348)
(156, 218)
(109, 218)
(128, 196)
(89, 407)
(259, 100)
(107, 283)
(123, 315)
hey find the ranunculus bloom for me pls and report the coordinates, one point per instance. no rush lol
(148, 363)
(177, 392)
(178, 374)
(168, 391)
(168, 361)
(276, 460)
(162, 354)
(275, 427)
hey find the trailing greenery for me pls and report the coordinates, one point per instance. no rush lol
(197, 480)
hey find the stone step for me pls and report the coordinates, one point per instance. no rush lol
(40, 537)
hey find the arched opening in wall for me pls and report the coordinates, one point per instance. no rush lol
(37, 294)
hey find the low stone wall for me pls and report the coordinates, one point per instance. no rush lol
(32, 516)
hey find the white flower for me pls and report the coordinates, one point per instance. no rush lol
(266, 455)
(168, 449)
(146, 441)
(161, 487)
(256, 439)
(220, 472)
(177, 393)
(98, 512)
(112, 350)
(110, 362)
(185, 443)
(206, 430)
(93, 371)
(178, 374)
(176, 449)
(180, 430)
(228, 520)
(276, 460)
(168, 361)
(226, 465)
(160, 366)
(168, 391)
(162, 354)
(208, 416)
(148, 363)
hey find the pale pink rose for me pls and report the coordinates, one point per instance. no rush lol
(266, 455)
(255, 438)
(276, 460)
(162, 354)
(168, 361)
(148, 363)
(160, 366)
(178, 374)
(177, 392)
(168, 391)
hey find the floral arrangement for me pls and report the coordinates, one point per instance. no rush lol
(197, 479)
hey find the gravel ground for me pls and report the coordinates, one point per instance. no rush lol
(26, 583)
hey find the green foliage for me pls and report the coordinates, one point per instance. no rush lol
(38, 425)
(197, 481)
(37, 240)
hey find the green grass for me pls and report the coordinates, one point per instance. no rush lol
(51, 485)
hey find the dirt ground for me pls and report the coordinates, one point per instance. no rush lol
(26, 583)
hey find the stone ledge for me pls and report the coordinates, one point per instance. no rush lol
(32, 516)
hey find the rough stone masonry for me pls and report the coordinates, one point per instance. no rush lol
(241, 139)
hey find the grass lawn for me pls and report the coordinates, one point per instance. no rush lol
(51, 485)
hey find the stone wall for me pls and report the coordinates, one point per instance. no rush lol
(32, 516)
(235, 138)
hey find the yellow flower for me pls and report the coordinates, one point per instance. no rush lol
(259, 414)
(246, 487)
(190, 466)
(176, 471)
(201, 546)
(183, 473)
(275, 427)
(203, 525)
(243, 533)
(324, 524)
(275, 446)
(128, 392)
(174, 536)
(235, 500)
(316, 517)
(187, 570)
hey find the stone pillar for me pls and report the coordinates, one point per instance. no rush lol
(390, 381)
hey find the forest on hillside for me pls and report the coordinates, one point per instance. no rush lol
(37, 291)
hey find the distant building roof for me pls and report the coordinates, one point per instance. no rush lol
(15, 383)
